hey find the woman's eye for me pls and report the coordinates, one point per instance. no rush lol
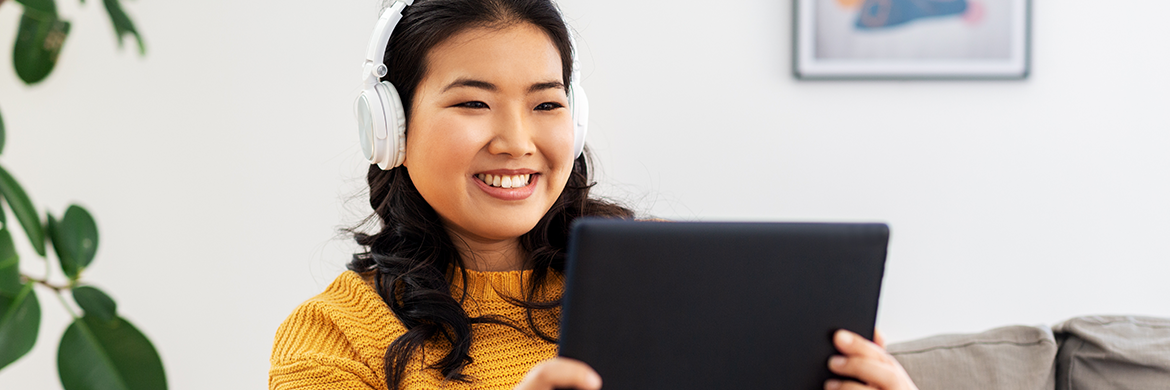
(548, 106)
(475, 104)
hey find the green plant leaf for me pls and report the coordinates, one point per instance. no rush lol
(21, 206)
(96, 303)
(9, 265)
(122, 24)
(64, 256)
(38, 43)
(44, 6)
(96, 354)
(75, 239)
(2, 126)
(20, 320)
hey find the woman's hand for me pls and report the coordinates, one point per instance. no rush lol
(560, 373)
(869, 363)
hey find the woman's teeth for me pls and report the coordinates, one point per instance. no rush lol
(512, 181)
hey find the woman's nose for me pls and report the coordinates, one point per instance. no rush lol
(512, 135)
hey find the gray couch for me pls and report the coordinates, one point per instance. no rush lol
(1083, 353)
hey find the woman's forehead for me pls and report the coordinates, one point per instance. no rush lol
(519, 54)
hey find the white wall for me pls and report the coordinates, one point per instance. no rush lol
(220, 165)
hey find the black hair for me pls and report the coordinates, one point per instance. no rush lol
(412, 258)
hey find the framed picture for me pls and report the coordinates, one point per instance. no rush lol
(911, 39)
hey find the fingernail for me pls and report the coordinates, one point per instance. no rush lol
(836, 361)
(844, 338)
(832, 384)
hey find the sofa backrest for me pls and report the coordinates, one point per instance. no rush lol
(1083, 353)
(1008, 358)
(1113, 352)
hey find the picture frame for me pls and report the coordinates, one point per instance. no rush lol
(911, 39)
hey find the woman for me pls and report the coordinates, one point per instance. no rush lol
(460, 286)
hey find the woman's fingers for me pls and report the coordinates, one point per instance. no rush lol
(851, 344)
(561, 373)
(879, 338)
(867, 370)
(867, 362)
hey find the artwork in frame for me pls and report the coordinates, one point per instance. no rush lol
(911, 39)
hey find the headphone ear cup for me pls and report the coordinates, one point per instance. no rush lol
(394, 145)
(364, 110)
(579, 107)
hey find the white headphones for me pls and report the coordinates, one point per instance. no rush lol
(381, 120)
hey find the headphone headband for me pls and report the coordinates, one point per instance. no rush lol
(376, 51)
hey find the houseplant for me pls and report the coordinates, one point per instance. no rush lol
(100, 349)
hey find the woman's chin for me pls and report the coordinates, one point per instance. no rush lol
(506, 230)
(509, 225)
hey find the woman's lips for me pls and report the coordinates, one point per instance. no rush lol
(516, 193)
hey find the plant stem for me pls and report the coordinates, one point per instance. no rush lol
(66, 305)
(57, 289)
(46, 283)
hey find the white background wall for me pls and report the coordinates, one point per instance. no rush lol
(220, 165)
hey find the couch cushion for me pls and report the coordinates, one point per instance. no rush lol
(1008, 358)
(1113, 352)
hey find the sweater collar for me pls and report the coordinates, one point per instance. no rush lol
(501, 284)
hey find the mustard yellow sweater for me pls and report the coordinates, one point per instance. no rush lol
(338, 339)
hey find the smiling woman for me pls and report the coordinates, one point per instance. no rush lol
(461, 283)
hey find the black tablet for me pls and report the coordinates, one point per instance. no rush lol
(708, 305)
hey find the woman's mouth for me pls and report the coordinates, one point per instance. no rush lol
(508, 187)
(504, 181)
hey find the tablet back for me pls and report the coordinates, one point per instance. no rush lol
(696, 305)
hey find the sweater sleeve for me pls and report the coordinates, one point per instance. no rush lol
(312, 352)
(335, 340)
(318, 373)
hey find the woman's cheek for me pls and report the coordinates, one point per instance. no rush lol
(560, 141)
(464, 131)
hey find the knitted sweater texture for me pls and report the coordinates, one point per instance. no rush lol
(338, 339)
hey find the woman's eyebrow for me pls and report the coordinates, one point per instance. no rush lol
(470, 83)
(546, 85)
(484, 85)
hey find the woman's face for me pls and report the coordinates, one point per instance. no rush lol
(490, 136)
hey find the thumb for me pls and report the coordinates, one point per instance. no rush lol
(561, 373)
